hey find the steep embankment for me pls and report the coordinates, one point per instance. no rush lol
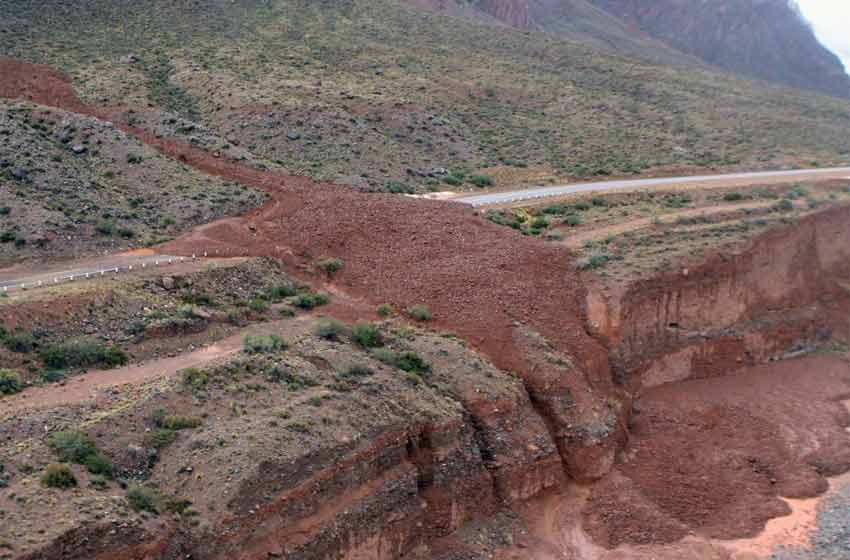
(785, 292)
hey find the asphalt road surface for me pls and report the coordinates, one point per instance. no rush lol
(14, 279)
(507, 197)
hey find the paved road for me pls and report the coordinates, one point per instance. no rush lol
(546, 192)
(11, 279)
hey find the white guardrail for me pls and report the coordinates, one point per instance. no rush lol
(71, 276)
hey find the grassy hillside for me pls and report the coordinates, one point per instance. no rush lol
(379, 95)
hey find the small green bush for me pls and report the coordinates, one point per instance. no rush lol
(105, 227)
(784, 205)
(310, 300)
(145, 498)
(593, 262)
(330, 265)
(420, 313)
(72, 446)
(733, 197)
(407, 360)
(385, 310)
(263, 344)
(258, 305)
(82, 353)
(99, 464)
(19, 342)
(481, 181)
(159, 437)
(397, 187)
(366, 335)
(58, 475)
(142, 498)
(279, 292)
(330, 329)
(357, 370)
(412, 362)
(573, 220)
(174, 422)
(10, 382)
(194, 378)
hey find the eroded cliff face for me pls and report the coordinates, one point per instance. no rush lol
(786, 292)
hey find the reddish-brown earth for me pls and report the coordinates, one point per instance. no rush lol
(520, 301)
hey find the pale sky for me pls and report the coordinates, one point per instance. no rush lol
(831, 22)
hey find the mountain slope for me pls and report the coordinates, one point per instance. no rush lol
(380, 95)
(766, 39)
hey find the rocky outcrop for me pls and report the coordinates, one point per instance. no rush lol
(766, 39)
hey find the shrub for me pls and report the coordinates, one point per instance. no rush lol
(581, 206)
(174, 422)
(330, 265)
(19, 342)
(784, 205)
(797, 192)
(733, 197)
(573, 220)
(398, 187)
(385, 310)
(330, 329)
(142, 498)
(263, 344)
(366, 335)
(539, 223)
(481, 181)
(72, 446)
(133, 159)
(420, 313)
(58, 475)
(194, 378)
(105, 227)
(10, 382)
(82, 353)
(279, 292)
(311, 300)
(258, 305)
(159, 437)
(407, 361)
(99, 464)
(593, 262)
(357, 370)
(412, 362)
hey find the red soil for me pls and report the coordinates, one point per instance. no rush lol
(486, 284)
(729, 446)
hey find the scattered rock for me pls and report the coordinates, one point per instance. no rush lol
(79, 149)
(293, 136)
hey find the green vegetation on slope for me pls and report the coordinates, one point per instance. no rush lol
(380, 95)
